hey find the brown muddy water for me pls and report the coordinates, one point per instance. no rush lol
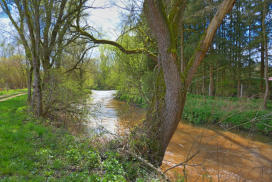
(221, 155)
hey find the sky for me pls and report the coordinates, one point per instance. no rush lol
(106, 20)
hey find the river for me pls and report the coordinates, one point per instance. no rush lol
(221, 155)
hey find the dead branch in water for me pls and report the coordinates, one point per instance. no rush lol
(182, 163)
(147, 164)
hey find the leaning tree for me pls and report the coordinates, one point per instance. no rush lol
(43, 27)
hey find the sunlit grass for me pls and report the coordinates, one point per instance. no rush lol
(241, 113)
(12, 91)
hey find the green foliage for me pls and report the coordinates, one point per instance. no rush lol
(60, 93)
(107, 73)
(131, 75)
(13, 72)
(32, 152)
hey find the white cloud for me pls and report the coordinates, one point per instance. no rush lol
(106, 19)
(6, 29)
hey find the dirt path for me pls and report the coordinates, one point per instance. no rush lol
(10, 97)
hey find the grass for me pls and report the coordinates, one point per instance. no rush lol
(31, 151)
(240, 113)
(12, 91)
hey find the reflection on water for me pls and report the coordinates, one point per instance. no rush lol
(102, 115)
(223, 156)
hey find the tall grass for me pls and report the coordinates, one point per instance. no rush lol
(241, 113)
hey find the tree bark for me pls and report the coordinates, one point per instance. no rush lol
(38, 109)
(29, 85)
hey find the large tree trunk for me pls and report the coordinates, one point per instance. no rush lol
(171, 114)
(168, 103)
(29, 84)
(37, 90)
(182, 60)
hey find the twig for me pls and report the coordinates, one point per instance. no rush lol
(148, 164)
(182, 163)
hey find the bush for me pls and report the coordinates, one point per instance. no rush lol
(64, 98)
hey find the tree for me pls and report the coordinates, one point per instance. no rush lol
(165, 20)
(47, 24)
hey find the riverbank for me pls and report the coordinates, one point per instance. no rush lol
(229, 113)
(32, 150)
(224, 112)
(221, 155)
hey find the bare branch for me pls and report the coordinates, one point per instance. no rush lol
(115, 44)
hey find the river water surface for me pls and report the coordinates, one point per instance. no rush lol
(222, 156)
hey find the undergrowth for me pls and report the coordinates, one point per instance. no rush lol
(31, 151)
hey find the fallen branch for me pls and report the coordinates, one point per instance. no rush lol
(147, 164)
(182, 163)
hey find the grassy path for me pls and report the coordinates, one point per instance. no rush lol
(7, 97)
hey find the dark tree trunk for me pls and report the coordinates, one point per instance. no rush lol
(37, 90)
(29, 85)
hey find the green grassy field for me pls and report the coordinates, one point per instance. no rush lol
(242, 113)
(30, 151)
